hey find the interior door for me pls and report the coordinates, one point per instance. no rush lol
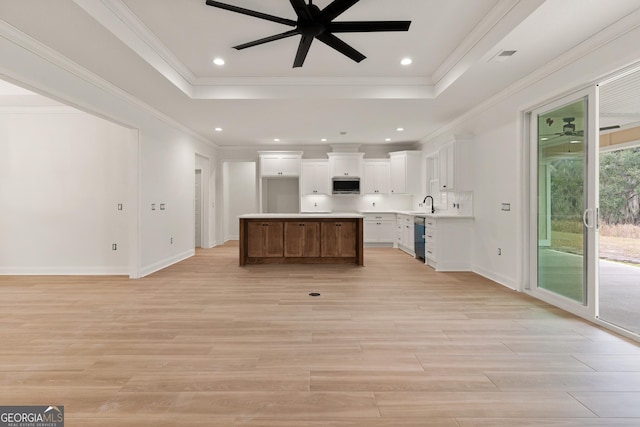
(197, 217)
(563, 216)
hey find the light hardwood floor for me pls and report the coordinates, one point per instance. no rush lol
(208, 343)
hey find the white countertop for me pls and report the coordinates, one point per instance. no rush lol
(420, 213)
(300, 215)
(350, 215)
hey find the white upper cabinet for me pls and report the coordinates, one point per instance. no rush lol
(315, 177)
(405, 172)
(345, 164)
(377, 175)
(454, 166)
(280, 163)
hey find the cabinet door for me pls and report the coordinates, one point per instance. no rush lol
(338, 239)
(280, 165)
(369, 182)
(290, 166)
(302, 239)
(346, 166)
(446, 157)
(386, 232)
(315, 178)
(376, 177)
(307, 179)
(370, 231)
(398, 174)
(265, 239)
(270, 166)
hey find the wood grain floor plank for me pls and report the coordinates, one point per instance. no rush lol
(611, 404)
(207, 343)
(480, 404)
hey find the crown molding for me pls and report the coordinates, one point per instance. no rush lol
(497, 24)
(608, 35)
(33, 46)
(116, 17)
(32, 109)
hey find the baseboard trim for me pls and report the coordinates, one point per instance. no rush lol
(498, 278)
(64, 271)
(147, 270)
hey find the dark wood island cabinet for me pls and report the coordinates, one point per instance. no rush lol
(301, 239)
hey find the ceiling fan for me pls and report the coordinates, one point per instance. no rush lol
(569, 128)
(315, 23)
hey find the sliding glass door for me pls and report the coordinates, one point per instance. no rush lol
(563, 213)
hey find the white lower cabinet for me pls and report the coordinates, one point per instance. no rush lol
(379, 229)
(404, 233)
(448, 243)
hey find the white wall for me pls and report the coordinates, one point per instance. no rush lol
(500, 153)
(165, 170)
(239, 195)
(62, 175)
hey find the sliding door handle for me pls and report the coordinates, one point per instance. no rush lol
(585, 218)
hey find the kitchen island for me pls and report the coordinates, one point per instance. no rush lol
(330, 238)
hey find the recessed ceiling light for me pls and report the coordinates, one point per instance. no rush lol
(324, 140)
(276, 139)
(400, 129)
(388, 140)
(218, 61)
(544, 139)
(575, 141)
(218, 129)
(406, 61)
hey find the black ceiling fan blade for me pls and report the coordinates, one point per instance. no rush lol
(367, 26)
(267, 39)
(303, 49)
(302, 10)
(335, 9)
(253, 13)
(609, 127)
(334, 42)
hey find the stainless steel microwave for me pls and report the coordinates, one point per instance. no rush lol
(345, 185)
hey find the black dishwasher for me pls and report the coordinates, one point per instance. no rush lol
(418, 236)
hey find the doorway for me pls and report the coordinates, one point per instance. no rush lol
(197, 216)
(619, 195)
(563, 226)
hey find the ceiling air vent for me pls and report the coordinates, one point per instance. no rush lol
(503, 55)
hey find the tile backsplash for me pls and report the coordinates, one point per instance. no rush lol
(448, 203)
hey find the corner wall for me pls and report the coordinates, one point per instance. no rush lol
(500, 153)
(63, 174)
(166, 157)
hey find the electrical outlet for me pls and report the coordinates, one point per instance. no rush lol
(114, 247)
(499, 251)
(119, 206)
(506, 207)
(171, 240)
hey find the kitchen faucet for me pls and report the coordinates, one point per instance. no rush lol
(433, 208)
